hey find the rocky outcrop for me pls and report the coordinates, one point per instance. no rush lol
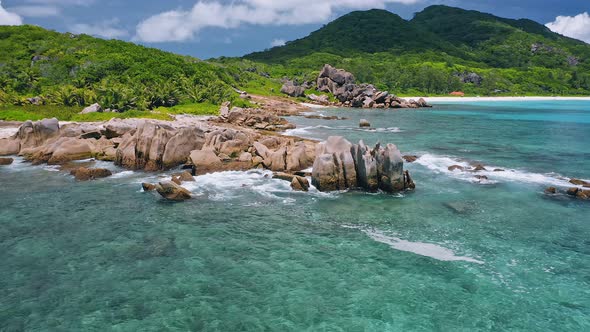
(469, 77)
(334, 166)
(205, 159)
(156, 146)
(180, 146)
(340, 165)
(33, 134)
(86, 174)
(342, 85)
(257, 119)
(289, 88)
(321, 99)
(171, 191)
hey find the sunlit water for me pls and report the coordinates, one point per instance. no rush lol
(249, 254)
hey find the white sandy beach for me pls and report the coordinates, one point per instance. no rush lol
(473, 99)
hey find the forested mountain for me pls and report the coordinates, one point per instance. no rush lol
(440, 50)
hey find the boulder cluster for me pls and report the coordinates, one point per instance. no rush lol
(341, 84)
(252, 117)
(341, 165)
(152, 145)
(45, 141)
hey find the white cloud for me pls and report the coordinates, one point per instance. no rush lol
(181, 25)
(36, 11)
(572, 26)
(8, 18)
(277, 42)
(106, 29)
(62, 2)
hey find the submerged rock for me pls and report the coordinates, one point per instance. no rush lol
(185, 176)
(6, 161)
(456, 167)
(479, 167)
(410, 159)
(551, 190)
(148, 187)
(578, 182)
(171, 191)
(300, 183)
(86, 174)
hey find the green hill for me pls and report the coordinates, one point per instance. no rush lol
(78, 70)
(440, 50)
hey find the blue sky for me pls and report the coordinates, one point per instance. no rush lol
(211, 28)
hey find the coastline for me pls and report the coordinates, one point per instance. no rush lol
(496, 99)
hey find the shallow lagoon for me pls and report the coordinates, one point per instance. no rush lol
(249, 254)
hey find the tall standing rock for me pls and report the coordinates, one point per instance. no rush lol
(334, 167)
(390, 167)
(340, 165)
(366, 166)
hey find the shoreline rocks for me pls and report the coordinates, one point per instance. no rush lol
(340, 165)
(6, 161)
(342, 85)
(87, 174)
(172, 191)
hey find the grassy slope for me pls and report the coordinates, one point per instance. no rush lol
(73, 71)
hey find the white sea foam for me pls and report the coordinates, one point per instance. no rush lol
(123, 174)
(440, 164)
(419, 248)
(224, 186)
(306, 131)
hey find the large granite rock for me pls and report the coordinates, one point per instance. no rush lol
(390, 169)
(205, 159)
(180, 146)
(366, 165)
(33, 134)
(155, 146)
(340, 165)
(292, 90)
(334, 167)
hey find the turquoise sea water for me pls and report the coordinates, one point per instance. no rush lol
(250, 254)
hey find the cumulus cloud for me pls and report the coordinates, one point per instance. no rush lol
(572, 26)
(106, 29)
(36, 11)
(277, 42)
(181, 25)
(9, 18)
